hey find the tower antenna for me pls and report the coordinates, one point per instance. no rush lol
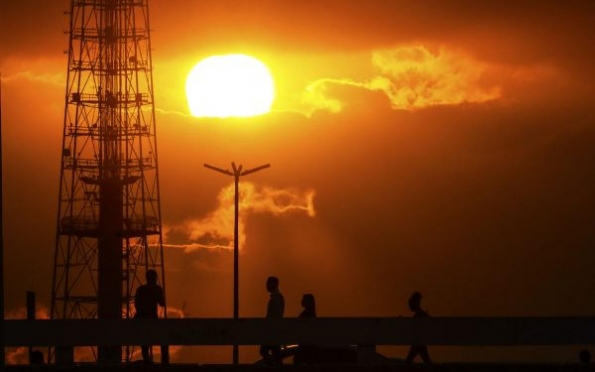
(108, 229)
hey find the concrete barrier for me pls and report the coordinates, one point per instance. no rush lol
(316, 331)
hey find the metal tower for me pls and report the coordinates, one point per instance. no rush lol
(109, 218)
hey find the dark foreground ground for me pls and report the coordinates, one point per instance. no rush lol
(447, 367)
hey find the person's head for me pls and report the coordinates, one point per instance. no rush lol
(415, 301)
(151, 276)
(308, 302)
(272, 283)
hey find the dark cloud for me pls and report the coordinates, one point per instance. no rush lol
(523, 32)
(513, 32)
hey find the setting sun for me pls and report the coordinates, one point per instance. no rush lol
(233, 85)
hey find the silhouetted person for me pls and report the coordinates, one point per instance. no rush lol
(275, 309)
(309, 305)
(415, 350)
(147, 299)
(584, 356)
(306, 353)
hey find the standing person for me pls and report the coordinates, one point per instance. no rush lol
(275, 309)
(146, 301)
(415, 350)
(306, 353)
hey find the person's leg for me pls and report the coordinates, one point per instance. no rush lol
(276, 354)
(425, 356)
(164, 354)
(298, 358)
(413, 350)
(146, 353)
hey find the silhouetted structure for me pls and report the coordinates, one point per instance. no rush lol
(306, 353)
(236, 174)
(2, 355)
(147, 300)
(109, 218)
(415, 350)
(275, 308)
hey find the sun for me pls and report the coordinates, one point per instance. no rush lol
(232, 85)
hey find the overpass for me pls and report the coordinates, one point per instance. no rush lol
(332, 332)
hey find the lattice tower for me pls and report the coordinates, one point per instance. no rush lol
(109, 220)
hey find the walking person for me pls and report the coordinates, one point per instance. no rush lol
(275, 308)
(415, 350)
(306, 353)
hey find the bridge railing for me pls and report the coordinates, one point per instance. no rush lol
(317, 331)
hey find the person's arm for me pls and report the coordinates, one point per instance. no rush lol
(278, 307)
(136, 299)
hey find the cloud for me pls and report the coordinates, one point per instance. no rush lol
(411, 77)
(20, 355)
(41, 312)
(215, 231)
(40, 71)
(173, 112)
(32, 76)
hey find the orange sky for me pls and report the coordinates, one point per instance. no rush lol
(445, 147)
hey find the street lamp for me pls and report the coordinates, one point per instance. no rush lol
(237, 173)
(2, 355)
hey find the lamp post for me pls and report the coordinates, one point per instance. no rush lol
(2, 354)
(237, 173)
